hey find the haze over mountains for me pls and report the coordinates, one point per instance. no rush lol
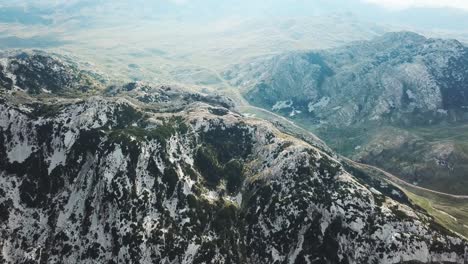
(150, 36)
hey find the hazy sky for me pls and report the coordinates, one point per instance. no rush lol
(403, 4)
(391, 4)
(423, 14)
(397, 4)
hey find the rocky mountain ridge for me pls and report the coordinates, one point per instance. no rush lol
(142, 174)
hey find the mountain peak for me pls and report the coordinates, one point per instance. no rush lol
(37, 72)
(402, 36)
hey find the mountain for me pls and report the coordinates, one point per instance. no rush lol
(146, 174)
(395, 78)
(37, 72)
(374, 95)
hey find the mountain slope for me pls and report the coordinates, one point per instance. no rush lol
(369, 99)
(394, 77)
(121, 178)
(39, 72)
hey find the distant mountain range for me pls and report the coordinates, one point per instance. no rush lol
(400, 80)
(397, 78)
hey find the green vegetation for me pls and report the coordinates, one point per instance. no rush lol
(436, 157)
(171, 178)
(448, 211)
(230, 143)
(208, 164)
(225, 217)
(442, 132)
(234, 175)
(46, 110)
(452, 213)
(161, 133)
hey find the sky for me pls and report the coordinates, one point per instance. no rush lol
(422, 14)
(400, 4)
(405, 4)
(389, 4)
